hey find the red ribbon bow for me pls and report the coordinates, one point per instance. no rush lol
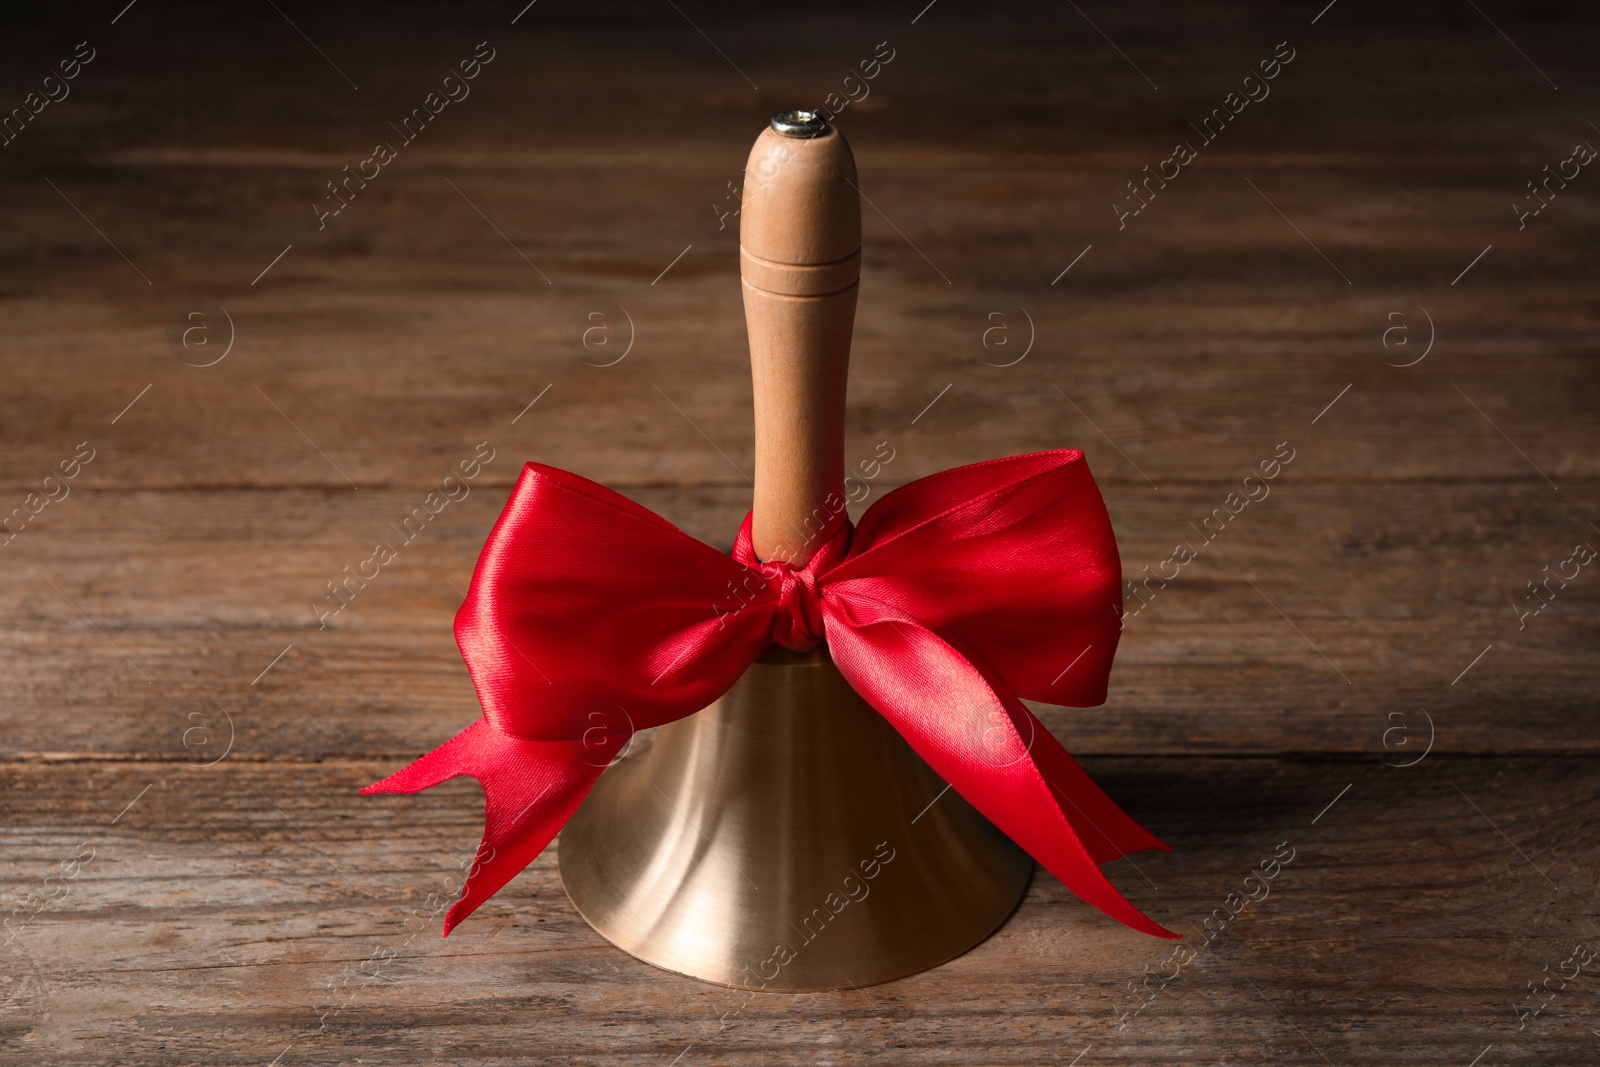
(590, 617)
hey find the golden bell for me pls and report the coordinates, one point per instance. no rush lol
(788, 839)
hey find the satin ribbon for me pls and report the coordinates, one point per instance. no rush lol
(591, 617)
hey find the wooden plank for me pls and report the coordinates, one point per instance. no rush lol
(1327, 550)
(201, 590)
(1256, 335)
(1235, 687)
(1039, 76)
(229, 913)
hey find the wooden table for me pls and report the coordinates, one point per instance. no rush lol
(1350, 668)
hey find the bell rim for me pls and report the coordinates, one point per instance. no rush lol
(1025, 884)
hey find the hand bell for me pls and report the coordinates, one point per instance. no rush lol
(786, 838)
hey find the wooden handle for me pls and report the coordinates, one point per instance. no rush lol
(800, 262)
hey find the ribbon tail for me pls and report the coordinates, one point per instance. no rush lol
(1105, 830)
(996, 754)
(530, 788)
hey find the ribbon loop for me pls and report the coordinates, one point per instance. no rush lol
(956, 595)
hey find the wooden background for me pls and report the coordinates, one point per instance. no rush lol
(1343, 669)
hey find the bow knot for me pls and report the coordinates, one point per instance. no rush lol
(797, 624)
(954, 598)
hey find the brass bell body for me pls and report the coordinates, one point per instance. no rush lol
(787, 839)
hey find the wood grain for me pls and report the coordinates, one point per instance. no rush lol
(161, 615)
(1399, 586)
(247, 908)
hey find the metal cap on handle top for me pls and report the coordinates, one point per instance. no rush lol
(798, 123)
